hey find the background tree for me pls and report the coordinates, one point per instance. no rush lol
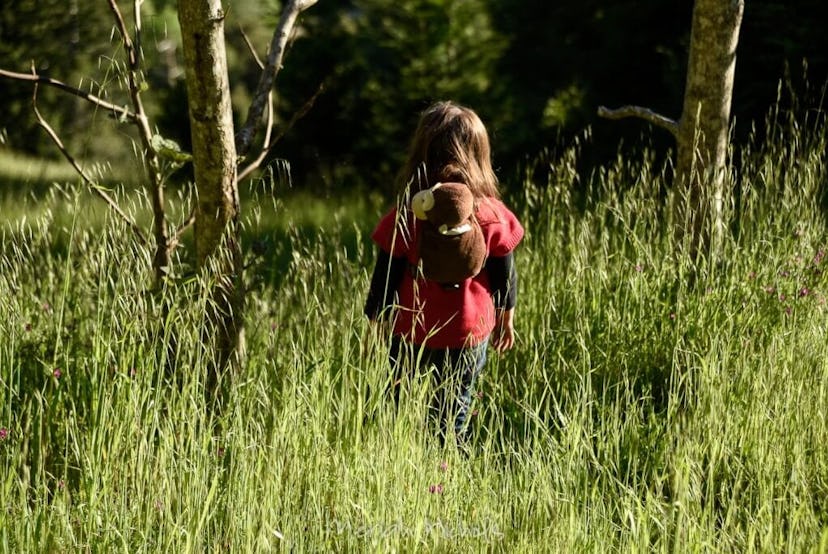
(214, 163)
(214, 156)
(702, 130)
(217, 230)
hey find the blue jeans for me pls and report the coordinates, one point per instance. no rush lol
(453, 373)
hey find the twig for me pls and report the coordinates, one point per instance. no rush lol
(643, 113)
(269, 129)
(291, 12)
(136, 14)
(176, 238)
(282, 132)
(94, 186)
(119, 20)
(251, 48)
(33, 77)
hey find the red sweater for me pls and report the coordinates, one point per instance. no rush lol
(439, 317)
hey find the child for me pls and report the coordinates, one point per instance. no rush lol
(446, 327)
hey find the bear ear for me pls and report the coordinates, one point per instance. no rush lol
(422, 202)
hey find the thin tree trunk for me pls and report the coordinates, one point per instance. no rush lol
(702, 136)
(218, 248)
(702, 131)
(278, 45)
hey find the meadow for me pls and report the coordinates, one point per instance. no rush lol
(649, 405)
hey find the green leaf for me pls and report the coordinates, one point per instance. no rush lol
(169, 150)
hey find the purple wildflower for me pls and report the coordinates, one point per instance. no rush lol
(804, 291)
(436, 489)
(443, 465)
(4, 433)
(56, 373)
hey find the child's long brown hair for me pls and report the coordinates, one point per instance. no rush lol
(450, 144)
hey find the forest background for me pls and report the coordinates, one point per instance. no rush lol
(535, 70)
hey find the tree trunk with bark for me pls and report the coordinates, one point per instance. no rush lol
(217, 242)
(702, 131)
(702, 137)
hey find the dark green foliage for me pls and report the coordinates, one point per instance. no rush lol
(566, 58)
(535, 70)
(382, 64)
(61, 40)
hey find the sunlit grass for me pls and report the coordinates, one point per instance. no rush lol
(638, 412)
(29, 169)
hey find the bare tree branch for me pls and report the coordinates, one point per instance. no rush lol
(247, 170)
(136, 14)
(161, 259)
(97, 189)
(291, 12)
(255, 164)
(127, 40)
(269, 128)
(120, 111)
(643, 113)
(134, 89)
(269, 131)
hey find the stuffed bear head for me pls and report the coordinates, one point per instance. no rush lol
(451, 244)
(444, 204)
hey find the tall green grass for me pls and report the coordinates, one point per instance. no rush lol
(638, 412)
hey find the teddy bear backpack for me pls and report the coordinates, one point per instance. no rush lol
(451, 247)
